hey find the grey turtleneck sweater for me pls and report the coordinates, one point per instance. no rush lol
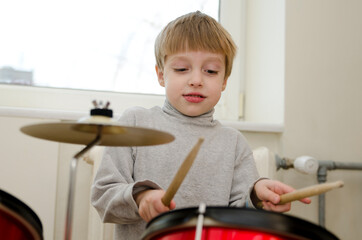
(223, 173)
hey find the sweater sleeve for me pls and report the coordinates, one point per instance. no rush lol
(113, 187)
(245, 175)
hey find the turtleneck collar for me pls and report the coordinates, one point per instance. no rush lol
(204, 119)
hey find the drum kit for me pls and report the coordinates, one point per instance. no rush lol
(17, 221)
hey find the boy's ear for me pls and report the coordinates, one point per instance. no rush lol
(161, 80)
(224, 84)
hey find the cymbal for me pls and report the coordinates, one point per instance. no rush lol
(85, 131)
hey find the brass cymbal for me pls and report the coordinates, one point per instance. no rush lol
(85, 131)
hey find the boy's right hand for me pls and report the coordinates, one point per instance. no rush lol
(150, 204)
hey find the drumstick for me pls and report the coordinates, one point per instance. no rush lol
(306, 192)
(181, 173)
(309, 191)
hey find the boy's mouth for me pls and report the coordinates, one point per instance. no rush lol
(194, 97)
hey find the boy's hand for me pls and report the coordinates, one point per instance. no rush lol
(269, 191)
(150, 204)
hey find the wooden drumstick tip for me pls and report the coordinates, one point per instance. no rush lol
(338, 184)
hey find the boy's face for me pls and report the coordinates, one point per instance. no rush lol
(193, 80)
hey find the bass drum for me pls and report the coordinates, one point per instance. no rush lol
(17, 220)
(233, 224)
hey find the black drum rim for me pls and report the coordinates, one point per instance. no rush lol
(20, 208)
(281, 224)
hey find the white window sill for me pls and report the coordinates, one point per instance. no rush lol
(75, 115)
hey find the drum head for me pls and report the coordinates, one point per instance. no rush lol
(277, 224)
(17, 220)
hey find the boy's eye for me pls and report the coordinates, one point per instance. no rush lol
(180, 69)
(211, 71)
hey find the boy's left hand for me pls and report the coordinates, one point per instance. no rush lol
(269, 191)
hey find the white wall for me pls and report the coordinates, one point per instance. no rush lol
(323, 83)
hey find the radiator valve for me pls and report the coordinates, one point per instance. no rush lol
(306, 164)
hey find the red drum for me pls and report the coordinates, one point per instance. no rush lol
(18, 221)
(223, 223)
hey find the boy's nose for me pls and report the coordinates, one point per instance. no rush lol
(195, 80)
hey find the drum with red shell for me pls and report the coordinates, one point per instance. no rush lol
(17, 220)
(225, 223)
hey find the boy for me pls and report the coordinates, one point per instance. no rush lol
(194, 56)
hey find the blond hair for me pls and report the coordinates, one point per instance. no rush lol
(193, 32)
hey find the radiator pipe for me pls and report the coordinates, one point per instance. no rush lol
(323, 167)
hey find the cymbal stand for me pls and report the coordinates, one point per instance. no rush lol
(72, 178)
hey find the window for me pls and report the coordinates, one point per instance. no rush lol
(60, 72)
(82, 44)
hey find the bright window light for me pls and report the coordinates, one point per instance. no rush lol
(87, 44)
